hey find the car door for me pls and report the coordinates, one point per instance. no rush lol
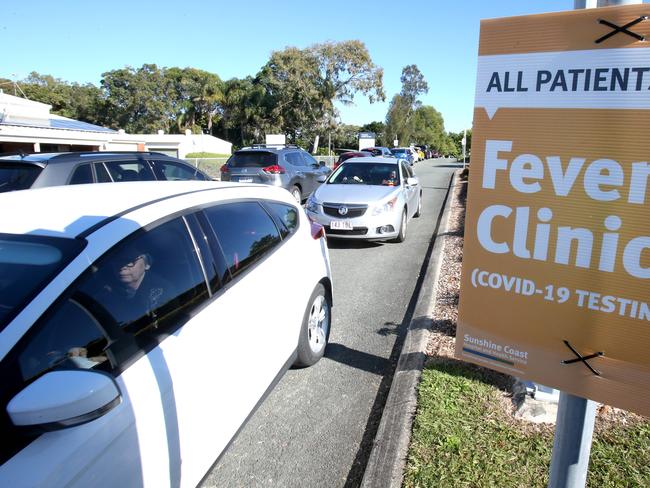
(313, 170)
(141, 441)
(412, 191)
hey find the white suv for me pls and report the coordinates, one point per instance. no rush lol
(141, 324)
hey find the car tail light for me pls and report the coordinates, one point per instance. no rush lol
(224, 169)
(317, 230)
(275, 169)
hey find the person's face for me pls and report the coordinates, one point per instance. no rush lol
(132, 271)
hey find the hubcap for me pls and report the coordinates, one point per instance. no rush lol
(318, 325)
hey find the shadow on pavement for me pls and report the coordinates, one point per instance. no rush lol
(334, 243)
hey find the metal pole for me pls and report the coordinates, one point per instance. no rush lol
(576, 416)
(572, 444)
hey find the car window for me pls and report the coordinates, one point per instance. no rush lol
(286, 217)
(17, 176)
(129, 171)
(405, 174)
(309, 159)
(102, 173)
(352, 173)
(245, 232)
(252, 159)
(171, 170)
(82, 174)
(27, 264)
(146, 285)
(294, 158)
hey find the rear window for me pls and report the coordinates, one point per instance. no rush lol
(252, 159)
(17, 176)
(27, 264)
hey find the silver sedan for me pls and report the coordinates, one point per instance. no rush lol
(368, 198)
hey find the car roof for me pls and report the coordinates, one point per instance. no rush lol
(270, 148)
(64, 157)
(373, 159)
(70, 211)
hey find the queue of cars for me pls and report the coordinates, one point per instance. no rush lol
(116, 300)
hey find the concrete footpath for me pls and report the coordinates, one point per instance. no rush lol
(385, 466)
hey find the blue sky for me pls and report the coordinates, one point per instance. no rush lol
(78, 40)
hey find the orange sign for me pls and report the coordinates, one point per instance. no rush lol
(556, 266)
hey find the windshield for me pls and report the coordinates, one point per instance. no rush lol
(17, 176)
(254, 159)
(27, 264)
(350, 173)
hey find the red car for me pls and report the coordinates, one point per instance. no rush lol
(351, 154)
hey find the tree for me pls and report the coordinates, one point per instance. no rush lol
(301, 85)
(428, 127)
(399, 119)
(413, 83)
(140, 100)
(244, 113)
(198, 98)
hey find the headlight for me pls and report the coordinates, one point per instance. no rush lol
(312, 205)
(385, 207)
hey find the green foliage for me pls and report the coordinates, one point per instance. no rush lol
(413, 83)
(463, 437)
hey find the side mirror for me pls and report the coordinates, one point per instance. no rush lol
(61, 399)
(411, 181)
(321, 178)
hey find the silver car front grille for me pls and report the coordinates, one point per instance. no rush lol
(344, 210)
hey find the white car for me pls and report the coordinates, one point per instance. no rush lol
(370, 198)
(141, 324)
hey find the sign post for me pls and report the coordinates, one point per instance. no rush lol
(556, 263)
(464, 142)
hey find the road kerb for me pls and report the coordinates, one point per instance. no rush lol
(385, 466)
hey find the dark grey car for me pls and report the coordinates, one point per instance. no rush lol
(21, 172)
(288, 166)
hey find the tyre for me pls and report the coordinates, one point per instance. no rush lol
(315, 329)
(419, 210)
(402, 228)
(297, 194)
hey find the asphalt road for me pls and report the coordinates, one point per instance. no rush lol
(317, 427)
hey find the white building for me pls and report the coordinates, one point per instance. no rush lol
(29, 126)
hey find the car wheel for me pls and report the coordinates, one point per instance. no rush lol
(315, 330)
(297, 194)
(419, 210)
(402, 228)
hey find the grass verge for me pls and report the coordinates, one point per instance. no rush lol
(465, 433)
(463, 437)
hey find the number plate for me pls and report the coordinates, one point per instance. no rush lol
(245, 180)
(341, 225)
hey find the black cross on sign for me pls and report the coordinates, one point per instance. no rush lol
(623, 29)
(580, 357)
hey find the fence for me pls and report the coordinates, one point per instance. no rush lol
(210, 166)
